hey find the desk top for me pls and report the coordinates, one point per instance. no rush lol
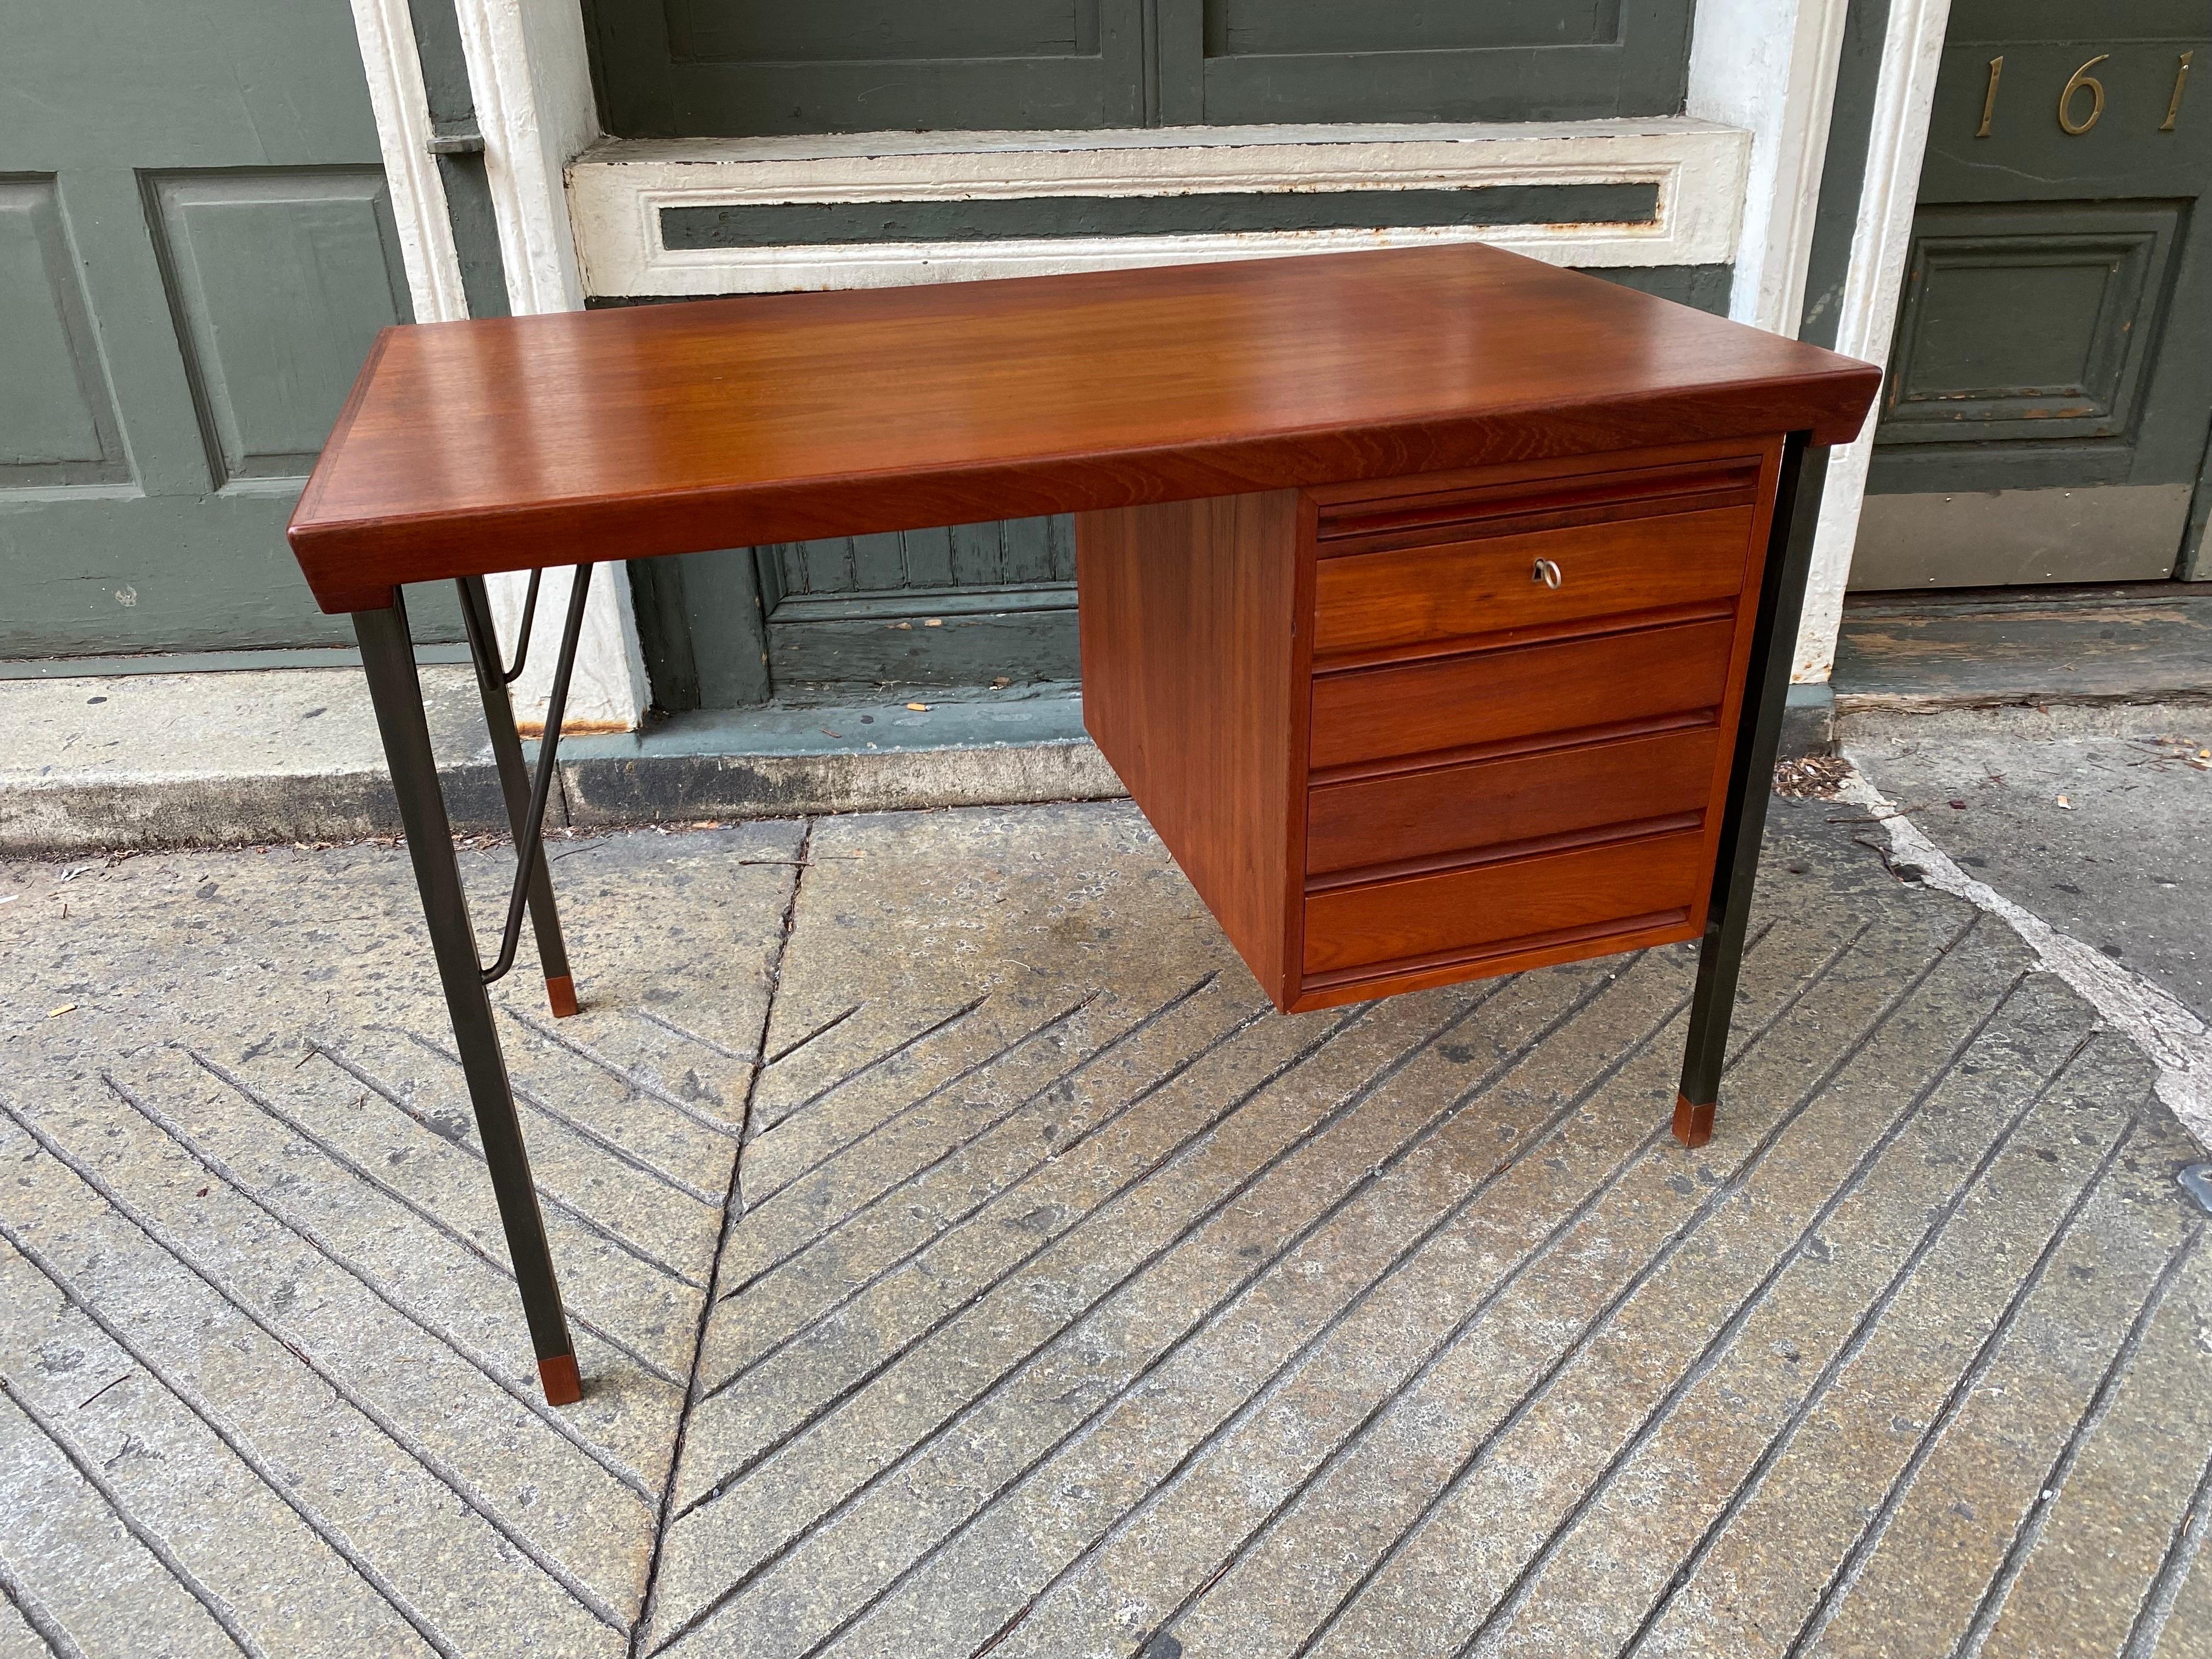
(498, 445)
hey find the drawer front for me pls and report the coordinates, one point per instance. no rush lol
(1439, 811)
(1445, 703)
(1587, 892)
(1453, 589)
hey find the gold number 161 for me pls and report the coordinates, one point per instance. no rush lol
(2081, 80)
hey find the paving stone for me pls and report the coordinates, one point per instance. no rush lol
(1013, 1280)
(1982, 1485)
(2177, 1614)
(295, 1278)
(2090, 1564)
(1830, 1476)
(55, 1514)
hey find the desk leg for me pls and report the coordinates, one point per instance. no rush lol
(388, 657)
(514, 784)
(1751, 781)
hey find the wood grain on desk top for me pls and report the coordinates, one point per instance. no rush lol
(501, 444)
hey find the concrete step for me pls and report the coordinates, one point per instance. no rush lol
(134, 760)
(1986, 647)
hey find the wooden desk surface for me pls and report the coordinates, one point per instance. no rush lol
(498, 445)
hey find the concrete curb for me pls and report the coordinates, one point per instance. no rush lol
(90, 764)
(685, 789)
(72, 815)
(107, 763)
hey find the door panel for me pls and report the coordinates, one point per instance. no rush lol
(685, 68)
(737, 68)
(2030, 324)
(279, 282)
(195, 253)
(58, 424)
(962, 606)
(2050, 382)
(1230, 61)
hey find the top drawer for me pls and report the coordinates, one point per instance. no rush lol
(1441, 569)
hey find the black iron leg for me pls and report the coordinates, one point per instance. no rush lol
(388, 658)
(514, 784)
(1751, 781)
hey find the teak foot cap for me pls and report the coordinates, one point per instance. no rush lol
(561, 992)
(1693, 1125)
(563, 1386)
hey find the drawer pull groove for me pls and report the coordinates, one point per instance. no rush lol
(1444, 760)
(1510, 852)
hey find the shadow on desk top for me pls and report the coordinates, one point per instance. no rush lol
(508, 443)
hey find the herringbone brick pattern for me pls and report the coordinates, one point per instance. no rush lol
(965, 1260)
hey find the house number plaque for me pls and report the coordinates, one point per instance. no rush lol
(2068, 96)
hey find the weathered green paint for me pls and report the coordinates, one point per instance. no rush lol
(468, 186)
(779, 224)
(699, 618)
(279, 281)
(663, 633)
(672, 67)
(195, 253)
(1029, 642)
(2055, 332)
(1415, 60)
(2033, 322)
(57, 425)
(963, 605)
(476, 233)
(1701, 287)
(2196, 564)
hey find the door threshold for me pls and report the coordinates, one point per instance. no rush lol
(2134, 642)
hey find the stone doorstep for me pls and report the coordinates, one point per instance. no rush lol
(253, 757)
(102, 762)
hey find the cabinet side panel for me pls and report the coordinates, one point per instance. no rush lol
(1189, 663)
(1741, 667)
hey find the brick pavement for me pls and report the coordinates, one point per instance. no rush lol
(1066, 1300)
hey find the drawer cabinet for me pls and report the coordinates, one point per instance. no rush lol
(1436, 727)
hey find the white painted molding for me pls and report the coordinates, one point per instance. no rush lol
(402, 134)
(531, 81)
(1769, 66)
(527, 70)
(618, 189)
(1912, 53)
(608, 688)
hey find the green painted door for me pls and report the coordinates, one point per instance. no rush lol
(731, 68)
(196, 251)
(2050, 385)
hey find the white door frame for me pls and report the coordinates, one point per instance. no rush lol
(1904, 92)
(402, 134)
(531, 86)
(1769, 66)
(1766, 66)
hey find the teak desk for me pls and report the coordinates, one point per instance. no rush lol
(1437, 605)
